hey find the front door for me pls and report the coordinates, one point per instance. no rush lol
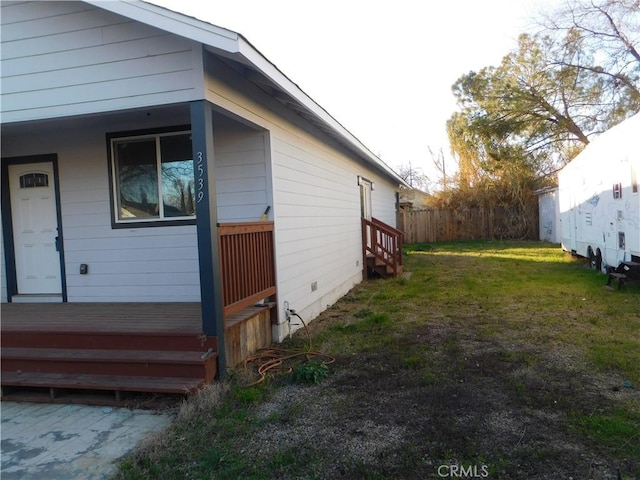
(34, 219)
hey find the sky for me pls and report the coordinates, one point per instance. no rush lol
(383, 69)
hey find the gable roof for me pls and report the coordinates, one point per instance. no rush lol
(256, 67)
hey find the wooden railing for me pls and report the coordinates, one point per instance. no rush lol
(383, 242)
(246, 263)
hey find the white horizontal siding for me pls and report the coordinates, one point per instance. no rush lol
(383, 201)
(134, 293)
(316, 200)
(135, 264)
(318, 222)
(65, 58)
(240, 172)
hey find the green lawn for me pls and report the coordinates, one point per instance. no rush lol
(502, 359)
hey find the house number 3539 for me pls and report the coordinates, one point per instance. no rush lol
(200, 177)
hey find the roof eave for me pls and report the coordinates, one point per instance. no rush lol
(221, 40)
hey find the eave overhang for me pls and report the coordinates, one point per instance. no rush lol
(256, 68)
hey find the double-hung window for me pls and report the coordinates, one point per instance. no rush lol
(153, 179)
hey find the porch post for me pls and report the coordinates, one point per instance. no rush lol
(207, 225)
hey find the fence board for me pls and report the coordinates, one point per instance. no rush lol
(445, 225)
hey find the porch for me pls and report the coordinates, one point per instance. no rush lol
(60, 349)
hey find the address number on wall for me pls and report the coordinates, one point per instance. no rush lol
(200, 176)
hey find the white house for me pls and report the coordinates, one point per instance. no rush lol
(133, 137)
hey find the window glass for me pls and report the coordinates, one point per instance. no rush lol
(177, 176)
(153, 176)
(31, 180)
(137, 177)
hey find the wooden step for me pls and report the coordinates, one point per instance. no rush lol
(116, 383)
(398, 268)
(80, 350)
(110, 362)
(107, 340)
(379, 266)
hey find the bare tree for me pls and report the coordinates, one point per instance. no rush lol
(607, 35)
(414, 176)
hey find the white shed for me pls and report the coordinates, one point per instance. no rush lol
(548, 214)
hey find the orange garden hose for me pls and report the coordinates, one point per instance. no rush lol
(274, 359)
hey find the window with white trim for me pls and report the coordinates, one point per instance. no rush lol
(153, 179)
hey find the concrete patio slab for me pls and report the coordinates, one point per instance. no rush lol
(69, 442)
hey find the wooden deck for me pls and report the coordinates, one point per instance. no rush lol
(64, 350)
(102, 317)
(118, 347)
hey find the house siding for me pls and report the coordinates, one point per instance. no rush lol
(136, 264)
(69, 58)
(318, 222)
(316, 197)
(242, 192)
(154, 263)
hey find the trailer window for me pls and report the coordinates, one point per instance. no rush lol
(621, 242)
(617, 190)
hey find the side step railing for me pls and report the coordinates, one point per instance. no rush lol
(381, 248)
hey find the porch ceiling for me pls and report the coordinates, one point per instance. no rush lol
(150, 117)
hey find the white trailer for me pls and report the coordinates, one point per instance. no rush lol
(599, 199)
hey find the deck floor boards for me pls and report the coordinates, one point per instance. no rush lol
(102, 317)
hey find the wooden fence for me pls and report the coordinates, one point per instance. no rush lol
(476, 223)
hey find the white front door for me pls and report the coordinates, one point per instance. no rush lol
(35, 228)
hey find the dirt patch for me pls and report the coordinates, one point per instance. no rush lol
(474, 403)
